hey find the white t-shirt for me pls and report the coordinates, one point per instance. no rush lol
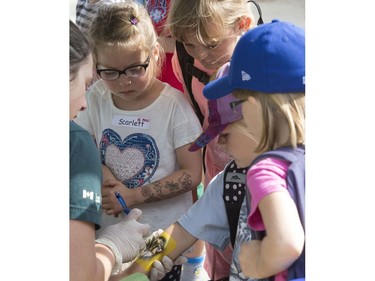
(139, 146)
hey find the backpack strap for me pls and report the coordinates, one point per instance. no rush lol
(260, 20)
(188, 70)
(233, 195)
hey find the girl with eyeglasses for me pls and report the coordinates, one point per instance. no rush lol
(89, 260)
(143, 127)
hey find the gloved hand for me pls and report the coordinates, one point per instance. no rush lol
(125, 238)
(160, 269)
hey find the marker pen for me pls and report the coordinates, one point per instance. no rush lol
(122, 202)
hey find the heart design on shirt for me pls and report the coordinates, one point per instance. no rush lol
(133, 160)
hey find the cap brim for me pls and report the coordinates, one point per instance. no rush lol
(207, 136)
(217, 88)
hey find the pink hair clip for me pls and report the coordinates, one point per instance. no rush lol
(134, 21)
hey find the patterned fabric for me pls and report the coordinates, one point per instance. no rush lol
(133, 160)
(235, 184)
(234, 192)
(158, 11)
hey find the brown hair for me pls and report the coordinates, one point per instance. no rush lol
(126, 24)
(79, 49)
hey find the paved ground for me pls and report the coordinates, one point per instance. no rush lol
(287, 10)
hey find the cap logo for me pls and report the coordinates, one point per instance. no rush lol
(245, 76)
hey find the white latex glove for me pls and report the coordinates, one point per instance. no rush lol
(125, 238)
(160, 269)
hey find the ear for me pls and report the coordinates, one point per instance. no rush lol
(252, 100)
(244, 23)
(155, 52)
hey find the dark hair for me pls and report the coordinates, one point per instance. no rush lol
(79, 48)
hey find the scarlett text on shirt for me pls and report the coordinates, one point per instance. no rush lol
(131, 121)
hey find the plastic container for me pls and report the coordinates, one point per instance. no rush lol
(193, 270)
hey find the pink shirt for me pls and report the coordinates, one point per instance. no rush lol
(263, 178)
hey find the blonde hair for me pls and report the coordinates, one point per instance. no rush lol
(241, 127)
(289, 107)
(207, 20)
(126, 24)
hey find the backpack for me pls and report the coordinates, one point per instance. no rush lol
(296, 186)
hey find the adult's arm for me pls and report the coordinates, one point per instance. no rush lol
(88, 260)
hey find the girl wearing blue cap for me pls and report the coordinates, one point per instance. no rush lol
(267, 73)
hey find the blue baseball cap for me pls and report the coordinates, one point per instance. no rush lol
(269, 58)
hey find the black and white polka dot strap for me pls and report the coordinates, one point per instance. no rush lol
(234, 191)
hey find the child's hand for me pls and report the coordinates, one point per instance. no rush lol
(109, 201)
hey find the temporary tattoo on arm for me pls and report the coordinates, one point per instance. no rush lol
(156, 191)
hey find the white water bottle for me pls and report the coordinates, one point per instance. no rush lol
(193, 270)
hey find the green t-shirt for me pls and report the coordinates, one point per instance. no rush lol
(85, 177)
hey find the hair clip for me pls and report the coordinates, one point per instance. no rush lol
(134, 21)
